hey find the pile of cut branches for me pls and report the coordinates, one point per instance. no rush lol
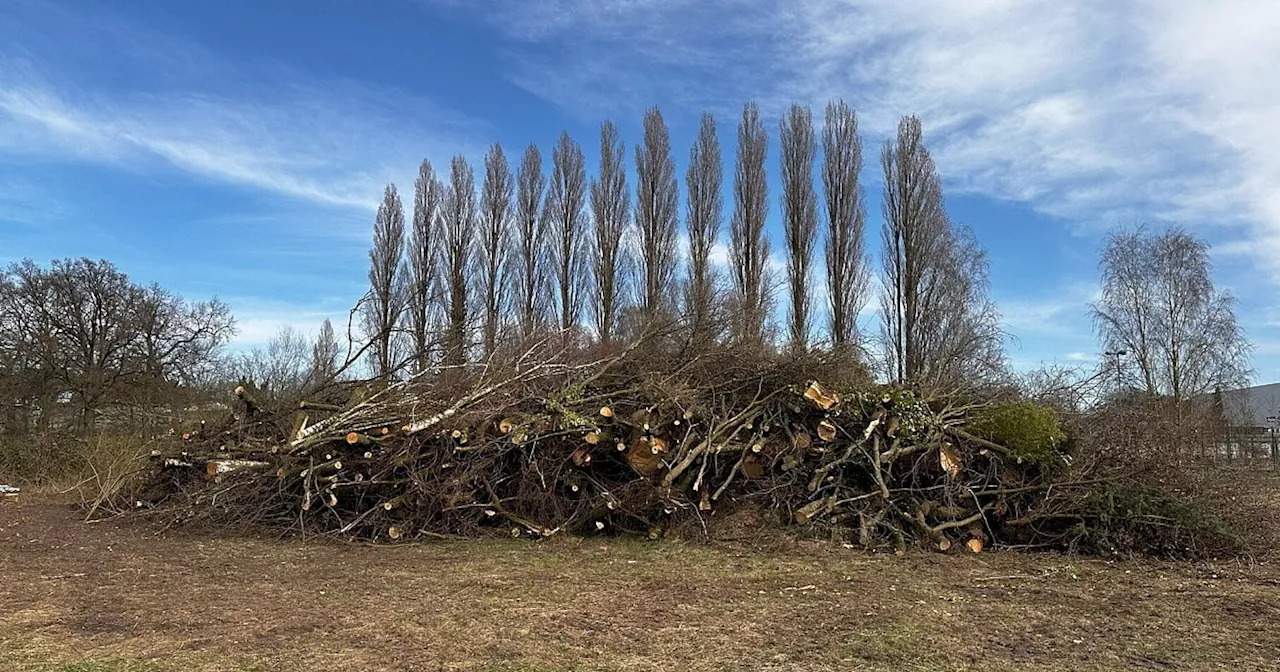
(537, 449)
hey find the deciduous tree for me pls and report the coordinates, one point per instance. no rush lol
(495, 219)
(749, 247)
(1160, 306)
(847, 265)
(657, 205)
(459, 228)
(564, 210)
(799, 217)
(386, 282)
(531, 244)
(704, 212)
(610, 206)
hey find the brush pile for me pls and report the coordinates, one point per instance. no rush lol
(543, 449)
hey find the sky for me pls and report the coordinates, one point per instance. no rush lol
(240, 148)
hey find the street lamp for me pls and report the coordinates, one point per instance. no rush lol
(1115, 356)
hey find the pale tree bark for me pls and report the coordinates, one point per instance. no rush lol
(457, 252)
(847, 263)
(609, 205)
(567, 223)
(799, 217)
(423, 248)
(1159, 305)
(531, 244)
(938, 323)
(495, 219)
(657, 205)
(386, 281)
(749, 248)
(704, 213)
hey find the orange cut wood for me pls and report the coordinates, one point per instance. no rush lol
(821, 397)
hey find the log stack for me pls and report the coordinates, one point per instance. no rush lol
(600, 449)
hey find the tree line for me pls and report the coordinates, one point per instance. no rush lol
(530, 255)
(596, 260)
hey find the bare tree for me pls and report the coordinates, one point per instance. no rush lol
(609, 205)
(939, 326)
(324, 355)
(564, 210)
(495, 216)
(704, 213)
(749, 246)
(847, 265)
(281, 371)
(423, 248)
(799, 217)
(531, 229)
(657, 206)
(386, 281)
(459, 225)
(83, 328)
(1159, 305)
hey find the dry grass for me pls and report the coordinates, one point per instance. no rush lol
(113, 596)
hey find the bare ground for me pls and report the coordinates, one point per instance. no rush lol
(115, 596)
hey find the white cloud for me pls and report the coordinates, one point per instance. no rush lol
(313, 145)
(1095, 111)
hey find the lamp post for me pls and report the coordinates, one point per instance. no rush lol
(1114, 356)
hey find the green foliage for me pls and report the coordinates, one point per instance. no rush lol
(1031, 432)
(1122, 518)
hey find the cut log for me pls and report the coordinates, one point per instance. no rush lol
(219, 467)
(950, 460)
(827, 431)
(822, 398)
(317, 406)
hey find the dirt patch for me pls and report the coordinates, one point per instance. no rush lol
(115, 596)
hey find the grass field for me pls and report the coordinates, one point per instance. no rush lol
(115, 596)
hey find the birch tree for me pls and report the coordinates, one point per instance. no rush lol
(609, 205)
(1160, 306)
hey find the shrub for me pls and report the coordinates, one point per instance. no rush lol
(1031, 432)
(1127, 518)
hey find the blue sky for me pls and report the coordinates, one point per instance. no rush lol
(239, 148)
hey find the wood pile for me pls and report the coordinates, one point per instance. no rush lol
(602, 448)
